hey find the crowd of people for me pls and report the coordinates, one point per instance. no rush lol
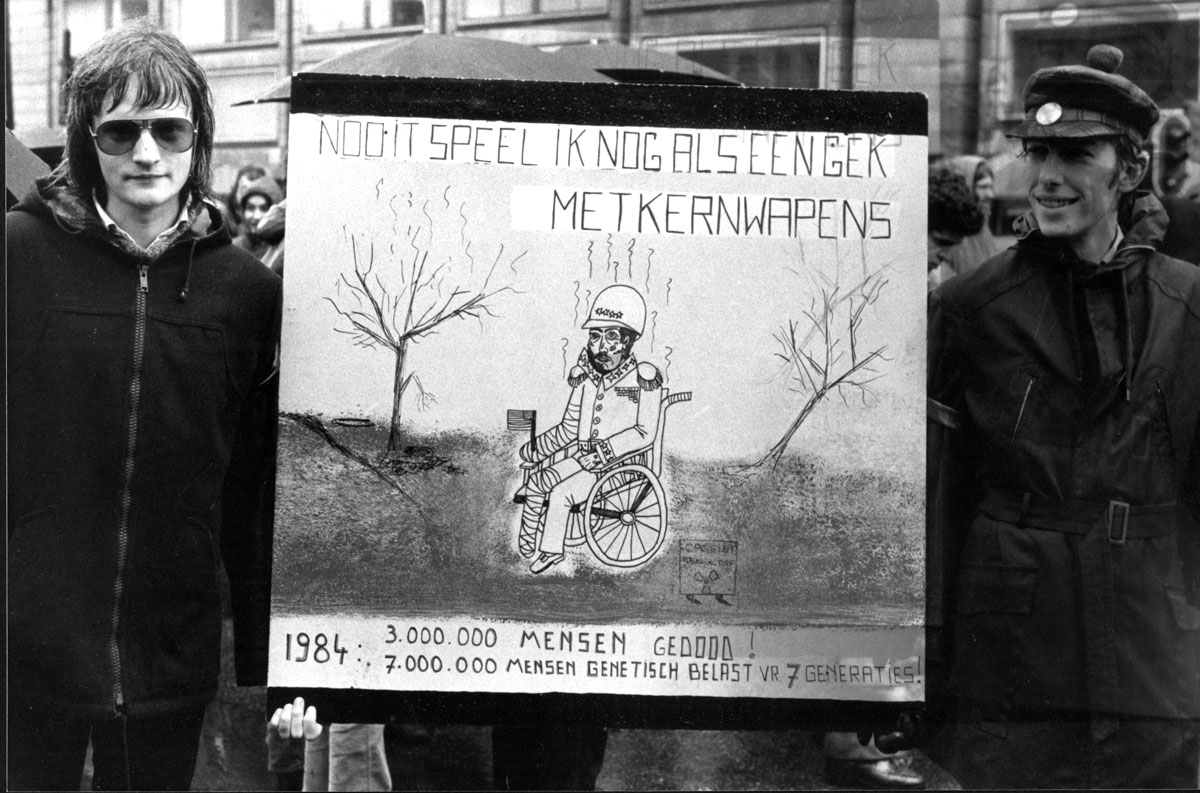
(1064, 386)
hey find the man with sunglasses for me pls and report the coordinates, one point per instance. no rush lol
(141, 394)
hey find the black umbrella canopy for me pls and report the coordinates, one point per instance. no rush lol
(438, 55)
(641, 64)
(21, 168)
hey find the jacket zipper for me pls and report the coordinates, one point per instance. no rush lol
(135, 396)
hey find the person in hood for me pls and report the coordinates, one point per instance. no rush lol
(1065, 373)
(977, 247)
(142, 351)
(229, 202)
(255, 199)
(1175, 174)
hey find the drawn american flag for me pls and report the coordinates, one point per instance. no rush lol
(521, 420)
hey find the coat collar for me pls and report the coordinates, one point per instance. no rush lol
(1143, 222)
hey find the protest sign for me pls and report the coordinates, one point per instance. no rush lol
(602, 389)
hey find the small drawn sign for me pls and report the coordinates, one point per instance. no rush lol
(708, 567)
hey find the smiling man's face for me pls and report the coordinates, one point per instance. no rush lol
(147, 178)
(1074, 187)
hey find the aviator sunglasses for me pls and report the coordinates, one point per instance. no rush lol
(119, 136)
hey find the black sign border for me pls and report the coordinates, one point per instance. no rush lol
(614, 104)
(610, 104)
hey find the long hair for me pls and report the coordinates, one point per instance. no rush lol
(164, 72)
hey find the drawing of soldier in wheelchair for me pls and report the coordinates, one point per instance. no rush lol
(594, 477)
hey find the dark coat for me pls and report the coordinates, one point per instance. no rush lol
(141, 398)
(1073, 539)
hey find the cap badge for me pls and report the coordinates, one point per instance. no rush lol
(1048, 113)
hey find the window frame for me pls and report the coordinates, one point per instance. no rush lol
(602, 8)
(1009, 85)
(818, 35)
(171, 11)
(305, 33)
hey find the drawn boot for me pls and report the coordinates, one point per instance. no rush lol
(545, 562)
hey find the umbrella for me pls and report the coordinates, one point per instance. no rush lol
(21, 167)
(439, 55)
(641, 65)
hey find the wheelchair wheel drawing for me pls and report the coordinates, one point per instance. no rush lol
(575, 532)
(625, 520)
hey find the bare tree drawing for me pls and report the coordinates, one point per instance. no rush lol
(410, 307)
(822, 353)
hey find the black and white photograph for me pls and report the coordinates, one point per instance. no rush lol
(546, 395)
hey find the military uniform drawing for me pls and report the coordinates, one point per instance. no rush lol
(613, 410)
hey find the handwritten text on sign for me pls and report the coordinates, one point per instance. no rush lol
(502, 656)
(836, 184)
(824, 155)
(708, 214)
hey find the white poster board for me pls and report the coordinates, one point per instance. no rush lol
(745, 520)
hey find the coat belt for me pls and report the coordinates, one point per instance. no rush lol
(1121, 520)
(1104, 528)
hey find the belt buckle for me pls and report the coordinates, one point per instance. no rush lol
(1117, 511)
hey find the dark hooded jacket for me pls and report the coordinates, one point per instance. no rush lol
(1072, 540)
(975, 249)
(141, 394)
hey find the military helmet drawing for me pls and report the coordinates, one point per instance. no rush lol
(618, 305)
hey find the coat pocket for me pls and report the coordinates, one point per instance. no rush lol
(1027, 382)
(1187, 616)
(189, 614)
(25, 342)
(997, 589)
(35, 565)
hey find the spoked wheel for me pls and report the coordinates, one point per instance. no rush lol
(575, 533)
(625, 519)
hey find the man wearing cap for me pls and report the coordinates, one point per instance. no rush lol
(613, 410)
(1066, 373)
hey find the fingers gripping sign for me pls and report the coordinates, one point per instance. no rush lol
(292, 721)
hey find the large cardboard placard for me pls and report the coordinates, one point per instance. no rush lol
(745, 520)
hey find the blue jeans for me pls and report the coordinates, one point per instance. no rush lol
(347, 757)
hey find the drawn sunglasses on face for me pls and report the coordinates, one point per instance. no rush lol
(117, 137)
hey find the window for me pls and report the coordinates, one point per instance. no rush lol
(763, 61)
(330, 17)
(86, 20)
(253, 19)
(1161, 46)
(201, 22)
(132, 9)
(485, 9)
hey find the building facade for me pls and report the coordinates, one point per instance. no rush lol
(970, 57)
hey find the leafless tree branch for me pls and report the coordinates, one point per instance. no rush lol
(820, 360)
